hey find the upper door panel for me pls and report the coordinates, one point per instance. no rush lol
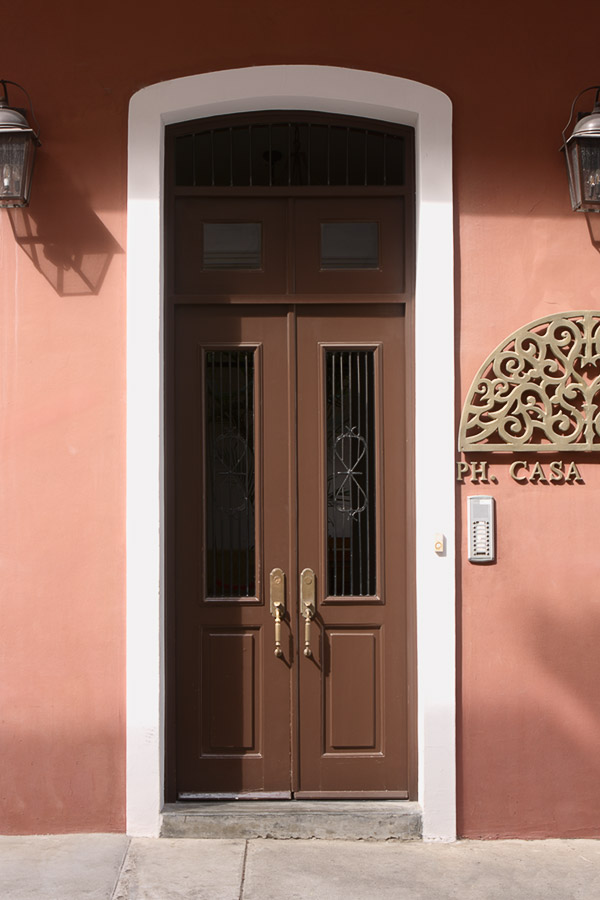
(230, 246)
(291, 247)
(349, 245)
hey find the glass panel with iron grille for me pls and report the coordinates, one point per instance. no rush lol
(230, 494)
(349, 245)
(232, 245)
(351, 489)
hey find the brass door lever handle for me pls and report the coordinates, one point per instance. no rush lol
(307, 607)
(277, 605)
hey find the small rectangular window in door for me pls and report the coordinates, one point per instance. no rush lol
(351, 488)
(232, 245)
(349, 245)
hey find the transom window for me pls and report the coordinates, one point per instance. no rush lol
(290, 153)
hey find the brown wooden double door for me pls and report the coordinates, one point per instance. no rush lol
(289, 467)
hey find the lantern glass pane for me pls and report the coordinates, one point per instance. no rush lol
(574, 175)
(17, 151)
(589, 156)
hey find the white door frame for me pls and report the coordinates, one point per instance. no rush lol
(331, 90)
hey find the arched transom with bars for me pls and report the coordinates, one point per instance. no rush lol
(279, 151)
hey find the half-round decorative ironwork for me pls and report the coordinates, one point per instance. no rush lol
(539, 390)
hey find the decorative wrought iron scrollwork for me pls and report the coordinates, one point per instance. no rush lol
(539, 390)
(350, 449)
(232, 470)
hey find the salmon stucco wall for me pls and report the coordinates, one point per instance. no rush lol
(529, 715)
(529, 708)
(62, 324)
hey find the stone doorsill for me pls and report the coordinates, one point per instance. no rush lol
(370, 820)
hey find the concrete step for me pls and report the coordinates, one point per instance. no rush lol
(370, 820)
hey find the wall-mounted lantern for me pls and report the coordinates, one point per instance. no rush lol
(582, 155)
(17, 150)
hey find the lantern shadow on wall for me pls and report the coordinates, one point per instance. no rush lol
(593, 224)
(62, 235)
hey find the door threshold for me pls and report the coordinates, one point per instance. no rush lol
(371, 820)
(227, 795)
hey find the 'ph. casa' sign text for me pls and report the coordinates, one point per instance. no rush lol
(523, 471)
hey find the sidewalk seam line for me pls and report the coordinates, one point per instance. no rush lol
(121, 867)
(241, 896)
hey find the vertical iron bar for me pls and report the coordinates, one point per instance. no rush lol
(270, 159)
(351, 473)
(208, 420)
(221, 526)
(230, 157)
(347, 156)
(250, 472)
(247, 476)
(254, 394)
(289, 138)
(212, 158)
(333, 475)
(308, 155)
(360, 515)
(229, 461)
(328, 154)
(208, 467)
(218, 517)
(367, 468)
(366, 156)
(209, 542)
(384, 159)
(342, 448)
(213, 426)
(216, 429)
(239, 524)
(250, 154)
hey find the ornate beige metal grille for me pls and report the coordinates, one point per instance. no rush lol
(539, 390)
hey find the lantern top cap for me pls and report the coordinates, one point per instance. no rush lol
(13, 119)
(589, 126)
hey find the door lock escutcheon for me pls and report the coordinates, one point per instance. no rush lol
(277, 605)
(307, 605)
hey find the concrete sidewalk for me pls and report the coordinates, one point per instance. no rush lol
(113, 867)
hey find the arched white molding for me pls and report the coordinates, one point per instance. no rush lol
(325, 89)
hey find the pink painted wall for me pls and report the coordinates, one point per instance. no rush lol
(529, 716)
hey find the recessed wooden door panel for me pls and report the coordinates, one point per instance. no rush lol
(352, 671)
(230, 699)
(350, 245)
(229, 246)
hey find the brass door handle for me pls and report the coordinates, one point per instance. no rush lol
(277, 605)
(307, 605)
